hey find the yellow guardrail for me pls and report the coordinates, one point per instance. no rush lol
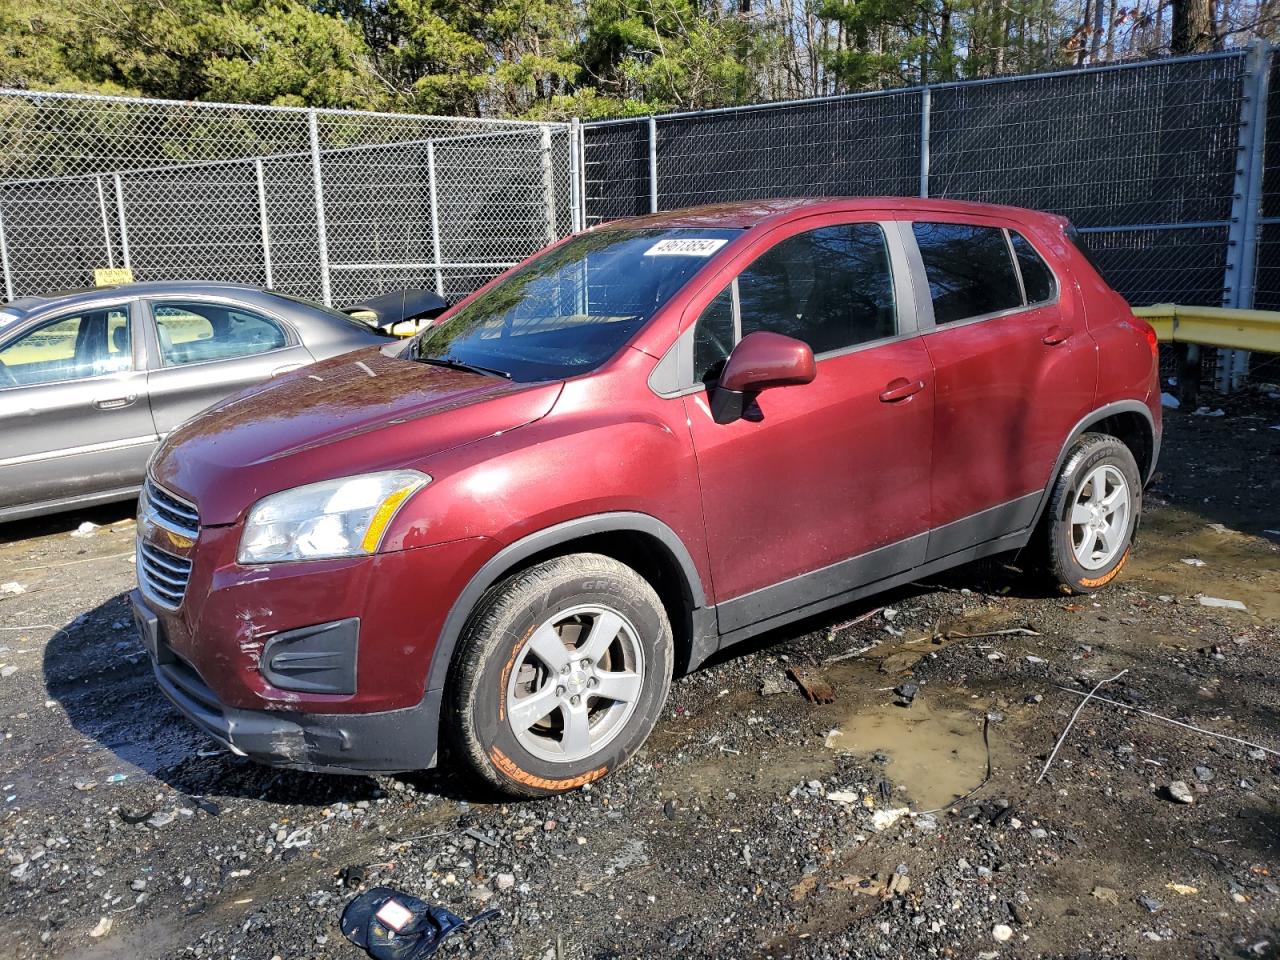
(1214, 326)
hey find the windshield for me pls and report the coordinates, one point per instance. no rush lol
(571, 309)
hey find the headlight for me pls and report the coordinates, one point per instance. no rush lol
(337, 518)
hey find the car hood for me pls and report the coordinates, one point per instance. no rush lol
(356, 413)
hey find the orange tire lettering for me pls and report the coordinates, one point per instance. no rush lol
(508, 767)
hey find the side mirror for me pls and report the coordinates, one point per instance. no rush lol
(760, 360)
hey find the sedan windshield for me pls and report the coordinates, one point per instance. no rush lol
(573, 308)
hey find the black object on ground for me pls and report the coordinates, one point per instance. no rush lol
(390, 925)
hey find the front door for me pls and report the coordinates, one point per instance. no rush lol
(824, 487)
(74, 419)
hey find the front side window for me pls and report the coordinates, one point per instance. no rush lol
(969, 269)
(89, 344)
(192, 332)
(572, 308)
(831, 287)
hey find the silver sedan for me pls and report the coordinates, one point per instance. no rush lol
(90, 381)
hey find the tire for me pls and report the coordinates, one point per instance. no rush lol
(509, 653)
(1077, 567)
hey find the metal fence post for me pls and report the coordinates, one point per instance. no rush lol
(435, 216)
(653, 164)
(576, 162)
(106, 227)
(124, 226)
(1246, 200)
(926, 107)
(4, 259)
(322, 236)
(548, 185)
(264, 225)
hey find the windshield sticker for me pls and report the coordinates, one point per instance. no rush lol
(685, 247)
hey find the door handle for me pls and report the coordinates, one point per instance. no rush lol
(1056, 335)
(900, 389)
(285, 369)
(115, 403)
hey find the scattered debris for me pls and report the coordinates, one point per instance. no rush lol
(12, 589)
(1207, 412)
(815, 687)
(390, 925)
(85, 530)
(1182, 889)
(1106, 895)
(102, 929)
(1193, 561)
(1219, 602)
(907, 693)
(1169, 400)
(1057, 746)
(1180, 792)
(1002, 933)
(884, 819)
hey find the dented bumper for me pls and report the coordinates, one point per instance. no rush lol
(379, 742)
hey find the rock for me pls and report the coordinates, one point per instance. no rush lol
(12, 589)
(8, 671)
(772, 687)
(504, 881)
(1150, 904)
(1221, 603)
(102, 929)
(1106, 895)
(1002, 933)
(138, 885)
(1180, 792)
(1203, 774)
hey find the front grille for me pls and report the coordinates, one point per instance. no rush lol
(167, 510)
(161, 575)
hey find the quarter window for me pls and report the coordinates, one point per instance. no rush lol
(69, 348)
(969, 269)
(196, 332)
(831, 287)
(1037, 278)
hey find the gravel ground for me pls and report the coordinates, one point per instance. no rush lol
(754, 824)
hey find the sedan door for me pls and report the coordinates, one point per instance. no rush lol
(204, 350)
(74, 417)
(821, 488)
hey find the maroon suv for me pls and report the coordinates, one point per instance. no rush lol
(652, 440)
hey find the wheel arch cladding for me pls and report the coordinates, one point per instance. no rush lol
(640, 541)
(1130, 422)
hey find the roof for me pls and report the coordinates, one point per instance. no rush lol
(148, 288)
(752, 213)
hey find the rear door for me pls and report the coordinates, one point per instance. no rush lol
(203, 350)
(73, 408)
(822, 487)
(1015, 368)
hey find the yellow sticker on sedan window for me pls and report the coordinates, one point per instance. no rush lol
(685, 247)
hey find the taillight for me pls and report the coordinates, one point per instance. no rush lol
(1152, 340)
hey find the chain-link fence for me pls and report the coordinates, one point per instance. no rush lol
(331, 205)
(1158, 163)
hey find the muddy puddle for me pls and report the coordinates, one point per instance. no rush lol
(935, 747)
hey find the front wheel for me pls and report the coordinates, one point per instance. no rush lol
(1087, 533)
(560, 676)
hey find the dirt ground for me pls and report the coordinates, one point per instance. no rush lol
(754, 824)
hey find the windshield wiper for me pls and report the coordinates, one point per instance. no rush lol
(460, 365)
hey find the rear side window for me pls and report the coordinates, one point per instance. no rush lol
(969, 269)
(1037, 278)
(196, 332)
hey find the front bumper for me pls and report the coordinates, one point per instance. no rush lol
(380, 742)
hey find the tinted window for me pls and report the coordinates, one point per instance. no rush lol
(713, 337)
(195, 332)
(830, 288)
(1037, 279)
(69, 348)
(969, 270)
(575, 306)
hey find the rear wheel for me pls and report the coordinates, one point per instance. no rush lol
(560, 676)
(1087, 533)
